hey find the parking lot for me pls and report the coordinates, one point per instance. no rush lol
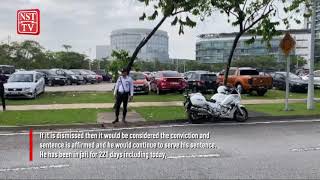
(101, 87)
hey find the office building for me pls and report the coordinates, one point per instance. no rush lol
(128, 39)
(215, 48)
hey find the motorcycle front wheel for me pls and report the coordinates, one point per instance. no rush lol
(241, 117)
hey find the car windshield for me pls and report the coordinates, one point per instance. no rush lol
(248, 72)
(171, 74)
(208, 77)
(53, 73)
(292, 76)
(21, 78)
(83, 72)
(69, 72)
(137, 76)
(91, 72)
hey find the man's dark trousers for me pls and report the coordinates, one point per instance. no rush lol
(122, 98)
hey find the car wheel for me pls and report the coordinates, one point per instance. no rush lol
(194, 89)
(50, 83)
(34, 95)
(158, 91)
(261, 92)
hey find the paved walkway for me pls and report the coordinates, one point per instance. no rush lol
(135, 104)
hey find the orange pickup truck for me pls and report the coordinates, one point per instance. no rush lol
(247, 79)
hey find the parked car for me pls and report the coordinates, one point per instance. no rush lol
(51, 78)
(188, 74)
(88, 78)
(168, 81)
(140, 83)
(296, 83)
(70, 76)
(106, 77)
(316, 78)
(99, 78)
(8, 70)
(202, 82)
(247, 79)
(27, 84)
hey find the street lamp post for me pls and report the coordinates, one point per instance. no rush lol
(310, 100)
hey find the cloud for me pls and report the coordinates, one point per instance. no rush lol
(87, 23)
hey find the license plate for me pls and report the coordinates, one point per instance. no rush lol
(174, 83)
(14, 93)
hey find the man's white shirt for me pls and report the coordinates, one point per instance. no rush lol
(126, 86)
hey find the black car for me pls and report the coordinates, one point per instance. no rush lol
(70, 76)
(105, 76)
(51, 78)
(87, 77)
(8, 70)
(202, 82)
(296, 83)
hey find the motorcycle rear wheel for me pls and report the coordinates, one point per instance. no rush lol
(193, 119)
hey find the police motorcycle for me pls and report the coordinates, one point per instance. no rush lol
(225, 104)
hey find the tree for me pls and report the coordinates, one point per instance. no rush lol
(170, 9)
(66, 47)
(259, 18)
(119, 60)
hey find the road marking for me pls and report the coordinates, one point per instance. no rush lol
(194, 156)
(35, 168)
(306, 149)
(169, 126)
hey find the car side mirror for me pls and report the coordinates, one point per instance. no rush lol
(186, 78)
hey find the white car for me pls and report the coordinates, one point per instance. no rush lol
(316, 78)
(27, 84)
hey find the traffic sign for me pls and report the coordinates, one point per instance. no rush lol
(287, 44)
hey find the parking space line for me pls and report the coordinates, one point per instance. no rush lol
(35, 168)
(195, 156)
(306, 149)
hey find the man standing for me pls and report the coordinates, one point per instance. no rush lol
(123, 92)
(3, 80)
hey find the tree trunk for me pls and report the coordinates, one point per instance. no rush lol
(234, 46)
(144, 42)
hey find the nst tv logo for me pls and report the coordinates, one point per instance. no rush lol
(28, 21)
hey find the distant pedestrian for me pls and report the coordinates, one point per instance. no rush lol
(123, 93)
(3, 80)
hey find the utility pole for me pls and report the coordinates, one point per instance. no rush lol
(310, 100)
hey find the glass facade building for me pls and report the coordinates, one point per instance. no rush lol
(128, 39)
(215, 48)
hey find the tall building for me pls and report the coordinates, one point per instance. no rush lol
(215, 48)
(103, 51)
(128, 39)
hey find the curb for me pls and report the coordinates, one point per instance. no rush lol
(139, 124)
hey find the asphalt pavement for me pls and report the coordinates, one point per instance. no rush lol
(253, 150)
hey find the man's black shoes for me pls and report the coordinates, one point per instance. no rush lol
(115, 121)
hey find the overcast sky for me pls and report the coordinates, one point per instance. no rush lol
(83, 24)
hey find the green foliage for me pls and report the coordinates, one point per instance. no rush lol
(120, 59)
(264, 63)
(31, 55)
(174, 8)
